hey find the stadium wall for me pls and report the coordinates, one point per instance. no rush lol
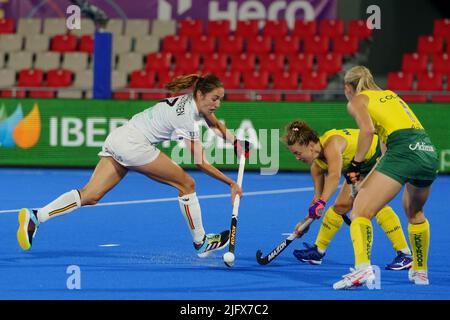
(70, 133)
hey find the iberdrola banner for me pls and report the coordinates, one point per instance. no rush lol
(70, 133)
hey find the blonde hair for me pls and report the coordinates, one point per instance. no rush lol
(299, 132)
(360, 79)
(205, 84)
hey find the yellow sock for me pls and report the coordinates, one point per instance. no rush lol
(419, 236)
(331, 224)
(390, 223)
(362, 236)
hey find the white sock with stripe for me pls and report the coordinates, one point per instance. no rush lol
(190, 208)
(65, 203)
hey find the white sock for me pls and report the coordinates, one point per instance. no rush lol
(406, 251)
(190, 208)
(65, 203)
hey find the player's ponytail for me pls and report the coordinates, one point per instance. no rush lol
(299, 132)
(203, 84)
(360, 79)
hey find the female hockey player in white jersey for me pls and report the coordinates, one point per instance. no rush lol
(132, 147)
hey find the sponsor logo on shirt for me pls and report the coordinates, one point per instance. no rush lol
(421, 146)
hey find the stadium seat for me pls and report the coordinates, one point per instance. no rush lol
(331, 28)
(64, 43)
(30, 78)
(287, 45)
(11, 42)
(87, 26)
(187, 63)
(285, 81)
(441, 64)
(54, 26)
(400, 81)
(147, 44)
(329, 63)
(230, 79)
(316, 45)
(414, 62)
(275, 28)
(75, 61)
(301, 63)
(215, 63)
(247, 28)
(190, 28)
(243, 62)
(37, 43)
(346, 45)
(359, 29)
(305, 29)
(203, 45)
(231, 44)
(122, 44)
(256, 80)
(311, 81)
(159, 61)
(87, 43)
(259, 45)
(271, 63)
(130, 61)
(137, 27)
(7, 78)
(164, 78)
(441, 28)
(115, 26)
(218, 28)
(59, 78)
(429, 81)
(20, 60)
(142, 79)
(175, 44)
(6, 25)
(47, 60)
(163, 28)
(28, 26)
(430, 45)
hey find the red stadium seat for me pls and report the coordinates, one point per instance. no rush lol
(142, 79)
(218, 28)
(190, 28)
(203, 45)
(359, 29)
(275, 28)
(271, 63)
(87, 43)
(430, 45)
(30, 78)
(259, 45)
(305, 29)
(442, 28)
(329, 63)
(64, 43)
(441, 64)
(429, 81)
(187, 63)
(125, 95)
(153, 96)
(287, 45)
(400, 81)
(243, 62)
(230, 79)
(215, 63)
(346, 45)
(165, 77)
(175, 44)
(414, 62)
(285, 81)
(59, 78)
(301, 63)
(231, 45)
(316, 45)
(331, 28)
(256, 80)
(310, 81)
(247, 28)
(6, 25)
(159, 61)
(13, 93)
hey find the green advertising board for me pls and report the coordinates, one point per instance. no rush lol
(71, 132)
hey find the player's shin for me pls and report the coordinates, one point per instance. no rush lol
(362, 236)
(331, 224)
(390, 223)
(64, 204)
(419, 236)
(190, 208)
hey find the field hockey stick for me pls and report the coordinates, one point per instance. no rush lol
(228, 257)
(285, 243)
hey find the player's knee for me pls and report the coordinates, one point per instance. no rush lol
(341, 208)
(188, 185)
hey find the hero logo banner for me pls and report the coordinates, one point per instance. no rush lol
(247, 10)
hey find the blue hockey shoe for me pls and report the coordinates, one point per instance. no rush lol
(311, 254)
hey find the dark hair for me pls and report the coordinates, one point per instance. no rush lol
(203, 84)
(299, 132)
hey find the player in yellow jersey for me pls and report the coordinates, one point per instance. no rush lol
(410, 159)
(328, 155)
